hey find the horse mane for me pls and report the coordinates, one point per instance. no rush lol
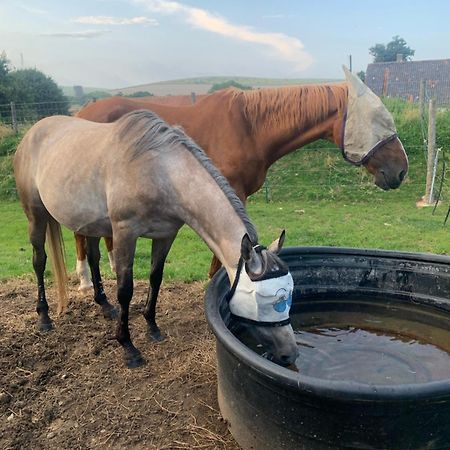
(293, 106)
(143, 131)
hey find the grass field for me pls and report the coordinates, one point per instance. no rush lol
(388, 220)
(313, 193)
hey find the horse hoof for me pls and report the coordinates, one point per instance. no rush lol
(109, 312)
(132, 361)
(44, 326)
(156, 335)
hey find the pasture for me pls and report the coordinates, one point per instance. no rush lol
(68, 389)
(381, 220)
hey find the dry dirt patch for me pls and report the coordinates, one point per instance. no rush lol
(69, 388)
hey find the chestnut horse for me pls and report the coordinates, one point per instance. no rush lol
(139, 177)
(245, 132)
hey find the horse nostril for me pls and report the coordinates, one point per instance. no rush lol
(402, 175)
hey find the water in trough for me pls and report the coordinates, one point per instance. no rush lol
(370, 341)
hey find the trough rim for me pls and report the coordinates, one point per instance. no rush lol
(315, 387)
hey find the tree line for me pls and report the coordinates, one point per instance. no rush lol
(30, 86)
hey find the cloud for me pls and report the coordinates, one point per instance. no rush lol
(108, 20)
(286, 47)
(87, 34)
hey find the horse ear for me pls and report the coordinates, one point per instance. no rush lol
(247, 249)
(277, 244)
(249, 255)
(356, 87)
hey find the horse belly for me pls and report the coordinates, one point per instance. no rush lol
(82, 211)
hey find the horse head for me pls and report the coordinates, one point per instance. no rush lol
(388, 164)
(370, 137)
(261, 297)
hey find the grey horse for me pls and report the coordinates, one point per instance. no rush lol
(137, 177)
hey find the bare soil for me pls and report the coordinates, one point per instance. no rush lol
(69, 388)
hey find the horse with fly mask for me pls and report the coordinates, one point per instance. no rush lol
(139, 177)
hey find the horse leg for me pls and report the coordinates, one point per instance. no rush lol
(160, 249)
(124, 251)
(37, 228)
(93, 257)
(82, 264)
(110, 248)
(214, 267)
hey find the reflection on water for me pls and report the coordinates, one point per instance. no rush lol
(371, 342)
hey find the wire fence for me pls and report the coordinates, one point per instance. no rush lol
(318, 174)
(322, 174)
(327, 175)
(15, 114)
(412, 81)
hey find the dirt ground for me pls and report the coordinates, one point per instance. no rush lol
(69, 388)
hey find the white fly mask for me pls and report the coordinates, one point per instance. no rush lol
(368, 124)
(264, 302)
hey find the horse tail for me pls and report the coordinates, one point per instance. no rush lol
(57, 256)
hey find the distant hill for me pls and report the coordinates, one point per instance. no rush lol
(200, 85)
(68, 90)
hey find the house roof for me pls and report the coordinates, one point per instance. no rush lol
(402, 79)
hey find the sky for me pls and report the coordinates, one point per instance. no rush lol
(120, 43)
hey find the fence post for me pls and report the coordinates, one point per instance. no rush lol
(14, 117)
(431, 161)
(193, 97)
(422, 98)
(266, 190)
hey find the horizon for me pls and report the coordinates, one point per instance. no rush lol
(220, 78)
(115, 44)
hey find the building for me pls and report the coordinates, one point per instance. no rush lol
(403, 78)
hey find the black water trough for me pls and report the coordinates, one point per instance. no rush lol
(271, 407)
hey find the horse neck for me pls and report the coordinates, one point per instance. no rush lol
(209, 211)
(220, 227)
(285, 119)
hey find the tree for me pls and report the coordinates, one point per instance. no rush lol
(227, 84)
(33, 86)
(38, 93)
(140, 94)
(5, 81)
(388, 52)
(4, 66)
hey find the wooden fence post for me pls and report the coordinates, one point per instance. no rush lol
(14, 117)
(431, 161)
(422, 98)
(193, 97)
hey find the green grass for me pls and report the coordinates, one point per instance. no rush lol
(8, 144)
(390, 222)
(188, 259)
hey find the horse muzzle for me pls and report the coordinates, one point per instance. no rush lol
(388, 179)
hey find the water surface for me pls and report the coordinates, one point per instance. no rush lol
(371, 342)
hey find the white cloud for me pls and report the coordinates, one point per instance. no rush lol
(286, 47)
(108, 20)
(87, 34)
